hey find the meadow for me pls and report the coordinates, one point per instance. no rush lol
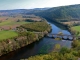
(7, 34)
(9, 23)
(77, 28)
(14, 21)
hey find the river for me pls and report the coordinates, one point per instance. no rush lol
(43, 46)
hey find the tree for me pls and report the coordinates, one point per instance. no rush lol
(18, 20)
(64, 50)
(75, 43)
(57, 47)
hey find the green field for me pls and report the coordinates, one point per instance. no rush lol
(7, 34)
(12, 23)
(77, 28)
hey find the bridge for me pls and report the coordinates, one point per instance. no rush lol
(63, 36)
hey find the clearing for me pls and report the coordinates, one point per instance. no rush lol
(77, 28)
(7, 34)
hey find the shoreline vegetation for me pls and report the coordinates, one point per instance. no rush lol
(27, 34)
(61, 53)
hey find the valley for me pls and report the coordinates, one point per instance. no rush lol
(24, 33)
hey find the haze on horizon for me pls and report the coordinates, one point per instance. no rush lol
(29, 4)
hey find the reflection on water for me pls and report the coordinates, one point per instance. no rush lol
(56, 30)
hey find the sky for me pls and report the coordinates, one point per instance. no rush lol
(29, 4)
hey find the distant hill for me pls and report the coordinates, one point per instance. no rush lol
(61, 13)
(21, 11)
(53, 14)
(11, 12)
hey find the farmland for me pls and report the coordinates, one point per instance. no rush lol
(7, 34)
(14, 21)
(77, 28)
(9, 23)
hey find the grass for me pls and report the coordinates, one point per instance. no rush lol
(77, 28)
(7, 34)
(5, 23)
(9, 23)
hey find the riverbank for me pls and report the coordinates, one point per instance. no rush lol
(42, 46)
(60, 53)
(25, 37)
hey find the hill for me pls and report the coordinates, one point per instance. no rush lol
(20, 11)
(61, 13)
